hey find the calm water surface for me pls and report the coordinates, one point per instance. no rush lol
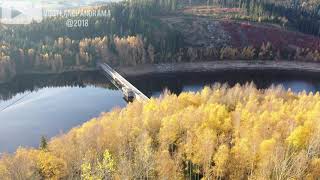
(177, 83)
(47, 105)
(47, 109)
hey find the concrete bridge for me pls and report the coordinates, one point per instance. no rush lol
(129, 91)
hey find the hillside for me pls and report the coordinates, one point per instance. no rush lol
(219, 133)
(211, 26)
(151, 32)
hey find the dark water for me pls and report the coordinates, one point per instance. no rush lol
(47, 105)
(177, 83)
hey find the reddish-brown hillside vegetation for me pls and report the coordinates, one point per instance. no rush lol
(244, 34)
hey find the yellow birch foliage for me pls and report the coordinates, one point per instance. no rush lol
(218, 133)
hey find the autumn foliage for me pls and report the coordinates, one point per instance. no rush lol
(7, 67)
(218, 133)
(255, 35)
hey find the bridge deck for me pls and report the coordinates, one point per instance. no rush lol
(123, 82)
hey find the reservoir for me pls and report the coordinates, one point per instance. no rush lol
(32, 106)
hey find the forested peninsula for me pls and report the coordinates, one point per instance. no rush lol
(218, 133)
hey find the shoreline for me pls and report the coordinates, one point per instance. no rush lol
(198, 67)
(216, 66)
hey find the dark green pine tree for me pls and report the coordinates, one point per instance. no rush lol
(43, 143)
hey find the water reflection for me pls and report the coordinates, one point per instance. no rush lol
(24, 83)
(177, 83)
(38, 106)
(299, 86)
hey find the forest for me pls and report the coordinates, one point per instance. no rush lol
(218, 133)
(132, 33)
(50, 46)
(301, 15)
(221, 132)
